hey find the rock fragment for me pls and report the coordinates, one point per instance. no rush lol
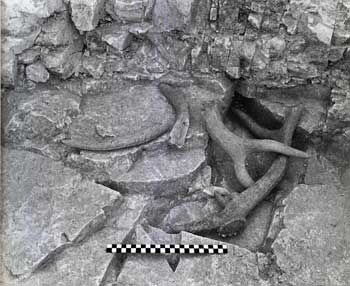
(47, 206)
(8, 68)
(37, 72)
(29, 56)
(39, 8)
(341, 30)
(87, 263)
(64, 60)
(130, 10)
(57, 31)
(87, 13)
(93, 65)
(173, 15)
(39, 114)
(118, 40)
(162, 174)
(313, 246)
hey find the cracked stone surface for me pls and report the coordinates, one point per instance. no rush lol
(47, 206)
(313, 246)
(131, 115)
(86, 14)
(238, 267)
(162, 174)
(39, 113)
(87, 263)
(84, 264)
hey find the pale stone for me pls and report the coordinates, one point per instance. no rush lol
(57, 31)
(175, 51)
(130, 10)
(29, 56)
(238, 267)
(119, 41)
(312, 248)
(19, 32)
(164, 173)
(8, 68)
(39, 8)
(320, 171)
(41, 113)
(340, 98)
(37, 72)
(46, 207)
(94, 65)
(173, 14)
(341, 33)
(65, 60)
(318, 17)
(190, 212)
(87, 263)
(86, 13)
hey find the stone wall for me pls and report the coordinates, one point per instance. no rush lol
(280, 52)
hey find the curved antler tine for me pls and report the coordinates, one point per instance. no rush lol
(231, 143)
(292, 119)
(253, 126)
(274, 146)
(241, 171)
(178, 100)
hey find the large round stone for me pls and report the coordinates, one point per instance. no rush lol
(128, 116)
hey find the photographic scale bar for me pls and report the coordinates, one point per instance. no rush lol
(167, 248)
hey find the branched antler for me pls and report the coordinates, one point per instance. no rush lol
(238, 148)
(231, 220)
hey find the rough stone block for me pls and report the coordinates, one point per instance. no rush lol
(37, 72)
(87, 13)
(46, 207)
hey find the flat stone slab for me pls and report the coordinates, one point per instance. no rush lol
(164, 173)
(237, 268)
(38, 114)
(47, 207)
(130, 116)
(313, 248)
(85, 264)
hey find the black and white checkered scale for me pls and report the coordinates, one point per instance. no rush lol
(167, 248)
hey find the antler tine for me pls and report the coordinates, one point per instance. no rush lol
(239, 208)
(238, 148)
(293, 114)
(254, 127)
(178, 100)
